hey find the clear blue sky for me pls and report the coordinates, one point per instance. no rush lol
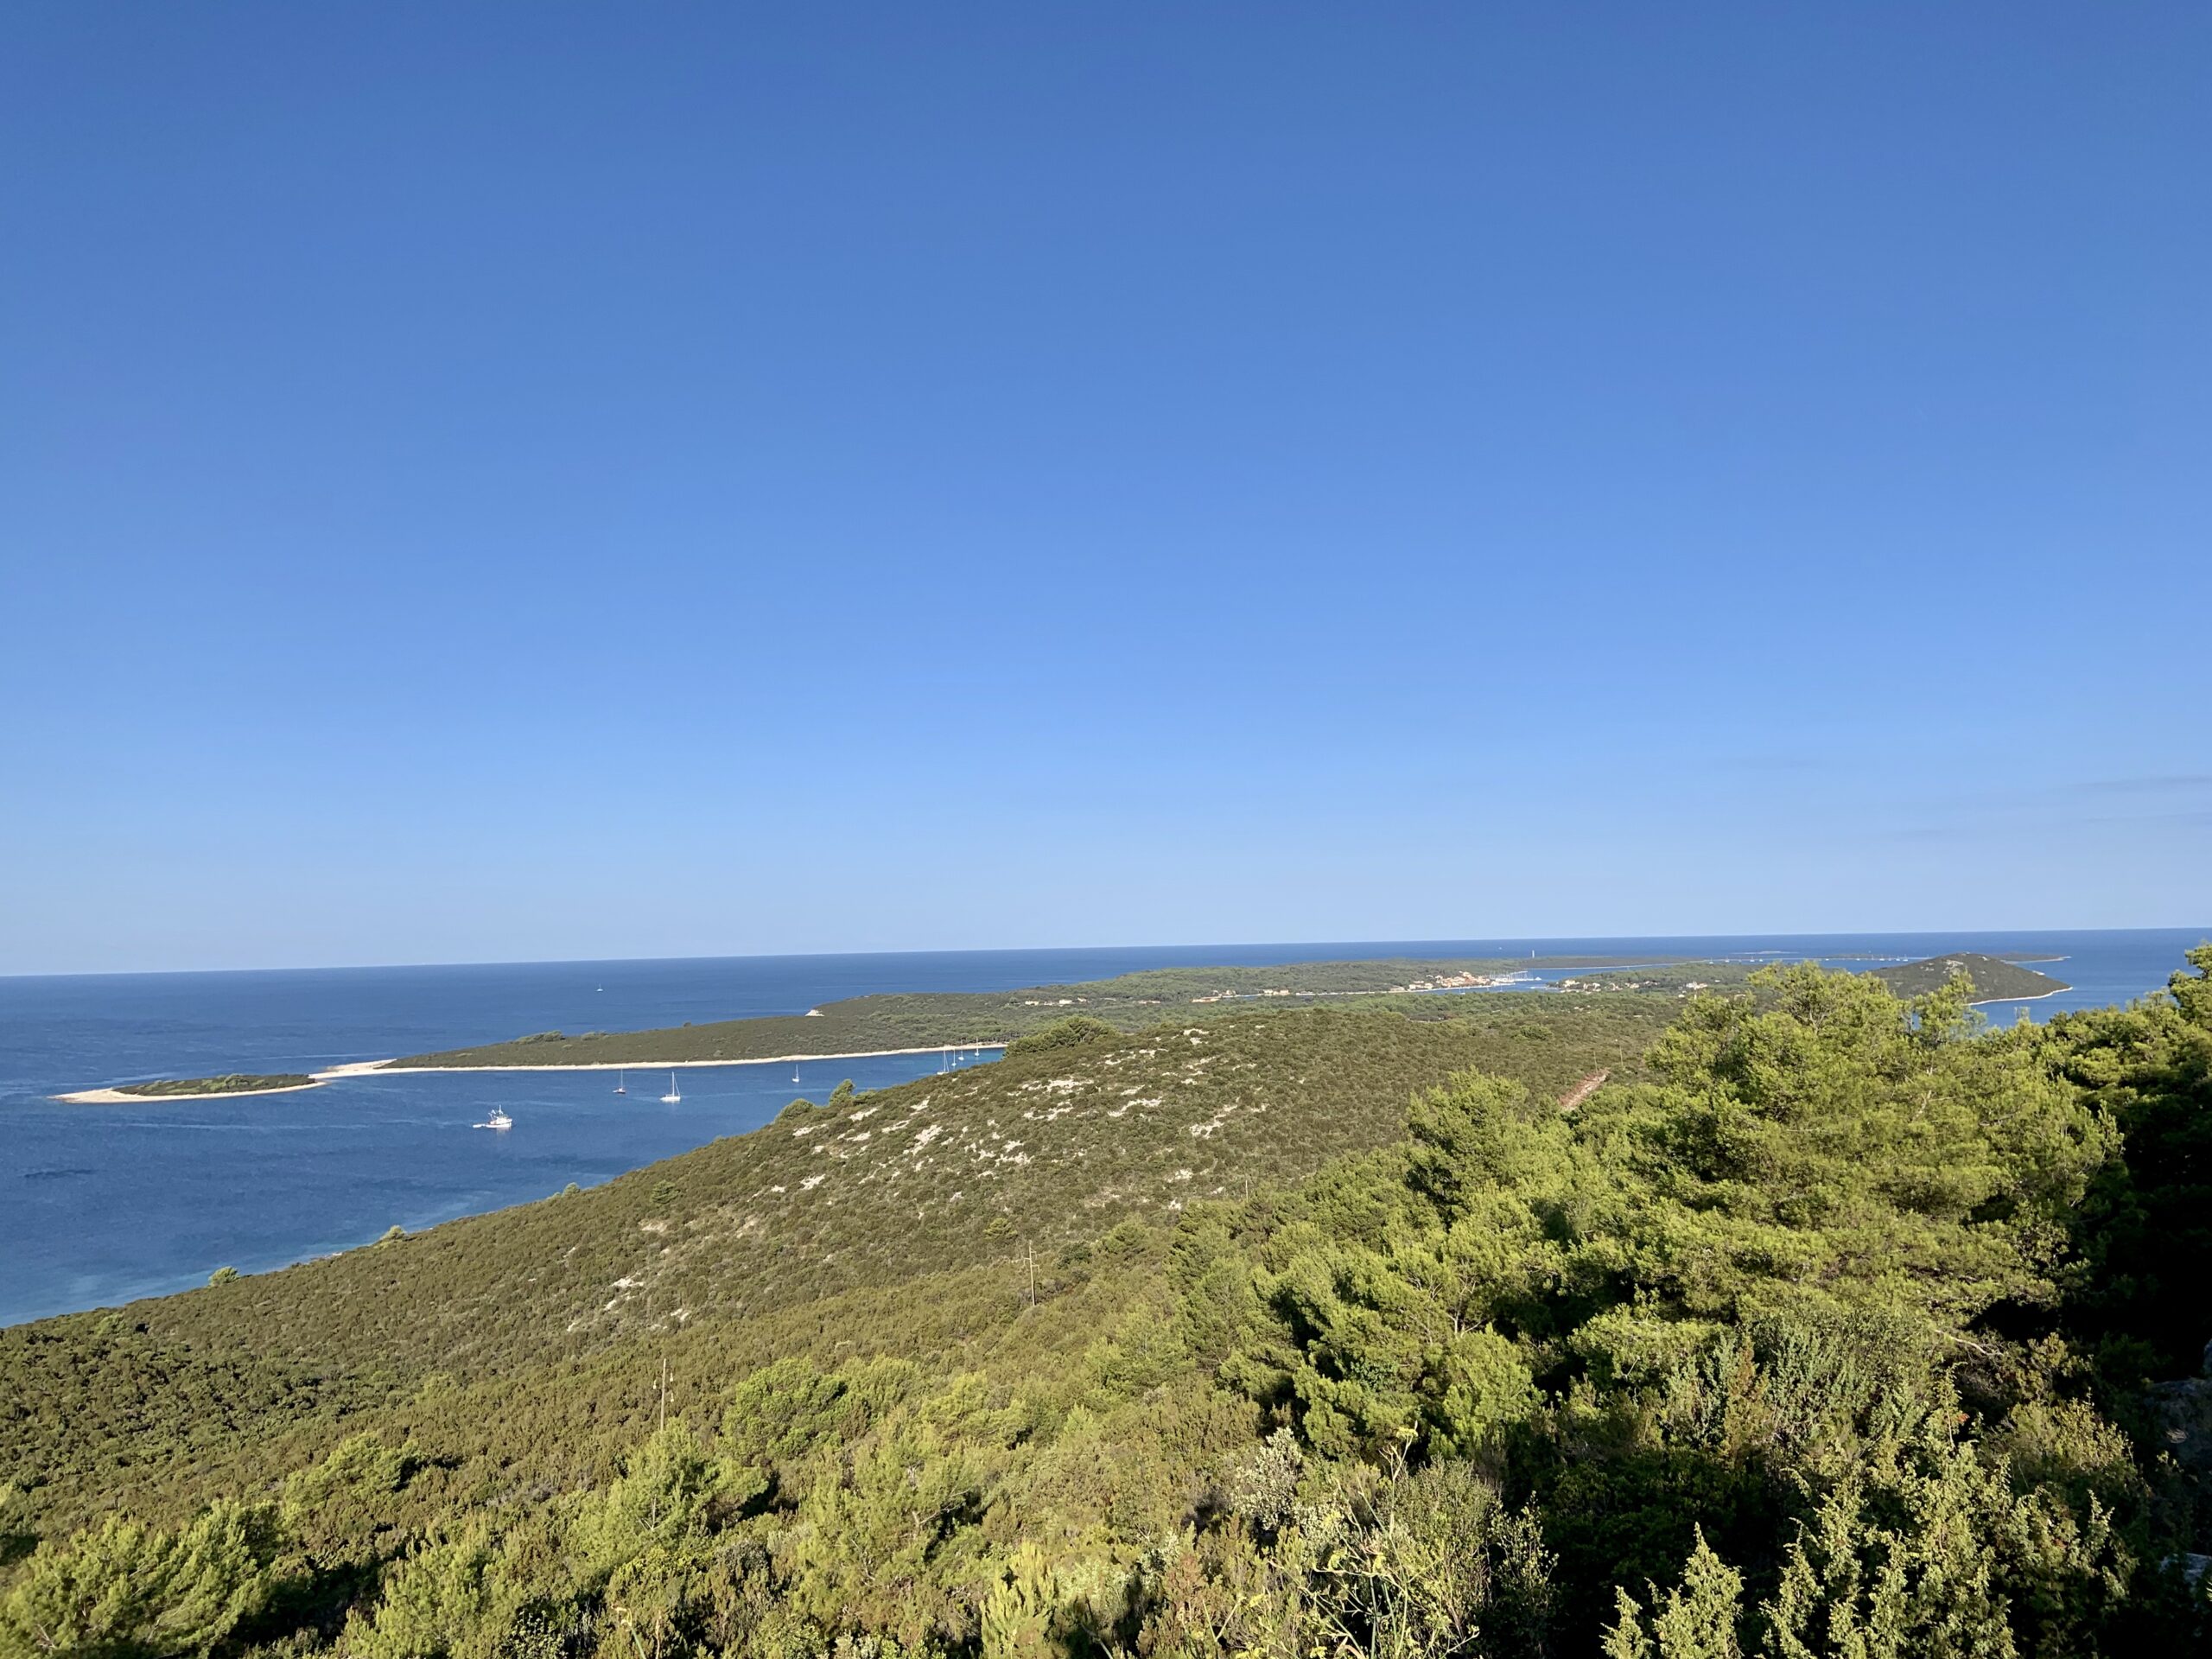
(513, 481)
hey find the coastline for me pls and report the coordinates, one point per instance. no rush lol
(388, 1068)
(391, 1069)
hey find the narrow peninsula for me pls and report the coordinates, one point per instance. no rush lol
(916, 1023)
(222, 1088)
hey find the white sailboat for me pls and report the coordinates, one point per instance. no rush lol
(674, 1095)
(794, 1074)
(622, 1081)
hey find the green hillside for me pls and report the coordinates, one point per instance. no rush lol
(1021, 1156)
(1822, 1316)
(1994, 979)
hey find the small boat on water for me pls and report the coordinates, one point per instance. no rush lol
(498, 1120)
(675, 1096)
(622, 1081)
(794, 1074)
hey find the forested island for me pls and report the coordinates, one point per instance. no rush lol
(1994, 979)
(1786, 1318)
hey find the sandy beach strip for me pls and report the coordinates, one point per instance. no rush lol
(391, 1069)
(120, 1097)
(1991, 1002)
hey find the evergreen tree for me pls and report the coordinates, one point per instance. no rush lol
(1697, 1619)
(123, 1590)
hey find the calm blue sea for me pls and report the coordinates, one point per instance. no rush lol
(99, 1204)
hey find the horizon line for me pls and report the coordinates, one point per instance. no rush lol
(1537, 939)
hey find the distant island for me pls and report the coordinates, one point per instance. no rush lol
(1994, 980)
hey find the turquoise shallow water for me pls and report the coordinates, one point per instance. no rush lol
(102, 1204)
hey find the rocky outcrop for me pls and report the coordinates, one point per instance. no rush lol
(2182, 1416)
(2182, 1412)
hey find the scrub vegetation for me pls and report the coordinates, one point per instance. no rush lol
(1827, 1324)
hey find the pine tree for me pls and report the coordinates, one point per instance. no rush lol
(125, 1590)
(1018, 1613)
(1695, 1620)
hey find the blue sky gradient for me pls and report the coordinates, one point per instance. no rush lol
(481, 482)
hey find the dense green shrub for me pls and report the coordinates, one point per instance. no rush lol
(123, 1590)
(1070, 1033)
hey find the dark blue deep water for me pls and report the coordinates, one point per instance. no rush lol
(102, 1204)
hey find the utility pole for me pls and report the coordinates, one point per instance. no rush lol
(1031, 1249)
(663, 1394)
